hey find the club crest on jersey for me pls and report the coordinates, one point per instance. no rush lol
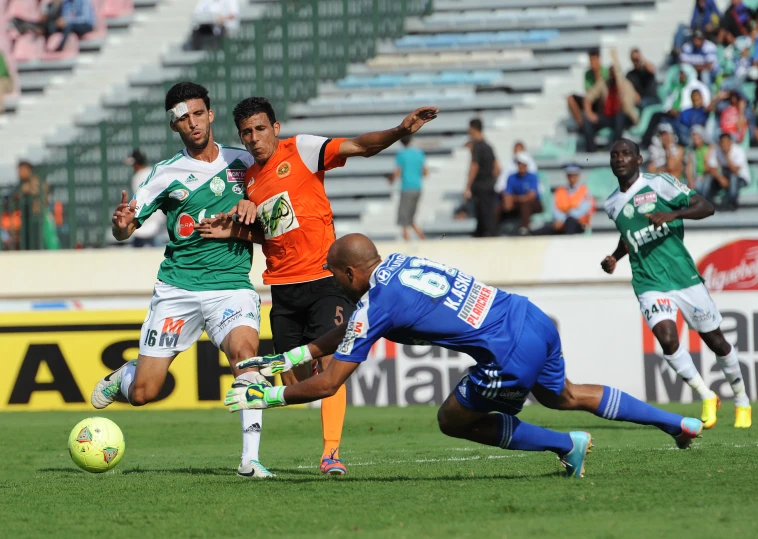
(646, 208)
(217, 186)
(178, 194)
(185, 226)
(645, 198)
(277, 215)
(628, 211)
(284, 169)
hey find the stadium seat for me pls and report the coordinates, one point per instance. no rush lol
(113, 9)
(70, 49)
(24, 9)
(601, 182)
(28, 48)
(647, 113)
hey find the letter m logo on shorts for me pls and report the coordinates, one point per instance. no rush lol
(171, 331)
(664, 304)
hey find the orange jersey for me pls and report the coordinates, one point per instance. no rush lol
(293, 209)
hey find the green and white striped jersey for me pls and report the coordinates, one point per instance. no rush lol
(188, 190)
(658, 257)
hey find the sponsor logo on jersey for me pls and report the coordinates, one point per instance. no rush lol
(178, 194)
(284, 169)
(733, 266)
(664, 304)
(701, 315)
(389, 268)
(646, 208)
(645, 198)
(628, 211)
(217, 186)
(646, 235)
(357, 328)
(191, 179)
(235, 175)
(237, 189)
(460, 287)
(277, 215)
(185, 226)
(172, 328)
(477, 305)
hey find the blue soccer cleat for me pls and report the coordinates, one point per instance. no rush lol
(574, 459)
(691, 429)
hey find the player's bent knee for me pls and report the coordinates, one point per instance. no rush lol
(141, 394)
(447, 427)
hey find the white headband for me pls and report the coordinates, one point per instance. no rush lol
(177, 112)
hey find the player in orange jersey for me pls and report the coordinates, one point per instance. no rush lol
(285, 190)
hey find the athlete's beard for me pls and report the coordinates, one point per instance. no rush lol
(197, 146)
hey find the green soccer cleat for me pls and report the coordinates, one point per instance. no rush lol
(574, 459)
(691, 429)
(108, 388)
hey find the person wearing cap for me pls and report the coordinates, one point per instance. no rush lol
(573, 204)
(702, 55)
(521, 196)
(698, 155)
(666, 155)
(510, 167)
(729, 169)
(147, 234)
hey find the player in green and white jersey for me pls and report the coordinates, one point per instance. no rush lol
(202, 284)
(648, 210)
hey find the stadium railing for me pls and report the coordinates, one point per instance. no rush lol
(283, 56)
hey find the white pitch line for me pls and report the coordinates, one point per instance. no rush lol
(421, 461)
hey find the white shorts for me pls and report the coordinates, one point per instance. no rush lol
(696, 304)
(177, 318)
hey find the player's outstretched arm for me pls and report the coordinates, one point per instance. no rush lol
(257, 396)
(325, 345)
(370, 144)
(699, 208)
(123, 225)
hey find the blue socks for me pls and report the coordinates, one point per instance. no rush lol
(619, 406)
(515, 434)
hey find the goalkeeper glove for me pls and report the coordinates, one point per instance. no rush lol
(278, 363)
(254, 397)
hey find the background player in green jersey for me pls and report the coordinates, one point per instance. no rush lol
(648, 210)
(202, 284)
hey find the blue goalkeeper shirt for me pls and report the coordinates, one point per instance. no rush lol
(417, 301)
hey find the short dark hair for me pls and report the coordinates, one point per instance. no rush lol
(722, 136)
(476, 124)
(406, 140)
(593, 52)
(184, 91)
(631, 143)
(25, 163)
(252, 106)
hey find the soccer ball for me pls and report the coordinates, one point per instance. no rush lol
(96, 444)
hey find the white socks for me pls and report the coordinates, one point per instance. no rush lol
(127, 377)
(252, 424)
(730, 366)
(681, 362)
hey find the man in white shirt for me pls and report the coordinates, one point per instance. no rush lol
(147, 234)
(703, 56)
(213, 20)
(510, 167)
(729, 169)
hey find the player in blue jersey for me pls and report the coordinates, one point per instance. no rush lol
(516, 347)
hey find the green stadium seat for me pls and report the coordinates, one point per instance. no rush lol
(601, 182)
(647, 113)
(557, 150)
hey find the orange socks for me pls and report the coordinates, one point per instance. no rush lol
(332, 419)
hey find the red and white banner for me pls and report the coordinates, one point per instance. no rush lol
(733, 266)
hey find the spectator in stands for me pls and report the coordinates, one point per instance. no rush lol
(705, 17)
(729, 169)
(595, 73)
(213, 20)
(522, 196)
(31, 201)
(697, 114)
(411, 168)
(511, 168)
(573, 204)
(618, 106)
(666, 155)
(731, 108)
(680, 99)
(150, 232)
(740, 68)
(737, 21)
(698, 155)
(50, 21)
(480, 186)
(77, 17)
(6, 81)
(703, 56)
(642, 77)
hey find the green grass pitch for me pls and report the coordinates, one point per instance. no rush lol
(177, 479)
